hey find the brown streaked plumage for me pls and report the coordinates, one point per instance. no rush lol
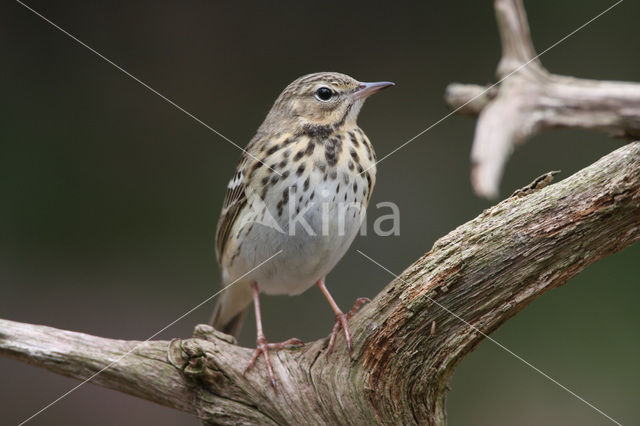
(299, 190)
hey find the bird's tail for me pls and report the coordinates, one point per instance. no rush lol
(231, 309)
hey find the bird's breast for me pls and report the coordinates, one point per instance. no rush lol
(311, 209)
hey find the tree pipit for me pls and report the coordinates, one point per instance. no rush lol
(300, 190)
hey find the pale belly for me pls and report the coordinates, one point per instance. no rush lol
(302, 247)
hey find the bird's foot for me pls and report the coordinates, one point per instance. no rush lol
(263, 347)
(341, 323)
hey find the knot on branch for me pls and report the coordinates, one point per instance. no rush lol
(188, 357)
(196, 358)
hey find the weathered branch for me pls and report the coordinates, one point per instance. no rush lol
(529, 99)
(406, 344)
(145, 372)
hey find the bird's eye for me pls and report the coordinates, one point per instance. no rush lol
(324, 94)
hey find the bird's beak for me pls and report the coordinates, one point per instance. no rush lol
(366, 89)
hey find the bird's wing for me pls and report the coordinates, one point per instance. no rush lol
(234, 200)
(251, 170)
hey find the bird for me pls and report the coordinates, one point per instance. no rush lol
(295, 203)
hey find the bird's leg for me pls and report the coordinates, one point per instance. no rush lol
(341, 317)
(262, 346)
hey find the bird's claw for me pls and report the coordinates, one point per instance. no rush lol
(263, 347)
(341, 323)
(359, 302)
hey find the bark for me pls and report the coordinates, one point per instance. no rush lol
(407, 341)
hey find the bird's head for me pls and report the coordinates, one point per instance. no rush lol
(320, 100)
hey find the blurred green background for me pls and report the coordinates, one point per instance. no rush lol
(110, 196)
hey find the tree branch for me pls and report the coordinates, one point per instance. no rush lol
(528, 100)
(408, 340)
(80, 355)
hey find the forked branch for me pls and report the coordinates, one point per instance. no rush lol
(529, 99)
(407, 341)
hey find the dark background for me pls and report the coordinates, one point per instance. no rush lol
(110, 196)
